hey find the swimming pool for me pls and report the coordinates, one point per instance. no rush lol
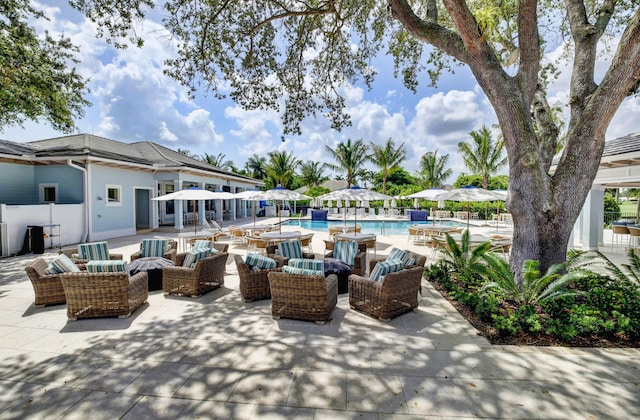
(377, 227)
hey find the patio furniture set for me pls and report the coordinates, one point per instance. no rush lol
(303, 287)
(95, 283)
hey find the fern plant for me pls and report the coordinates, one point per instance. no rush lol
(627, 273)
(462, 258)
(535, 288)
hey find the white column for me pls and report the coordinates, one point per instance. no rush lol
(592, 219)
(178, 213)
(234, 216)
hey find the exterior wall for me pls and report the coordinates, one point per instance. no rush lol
(18, 217)
(69, 180)
(111, 220)
(17, 184)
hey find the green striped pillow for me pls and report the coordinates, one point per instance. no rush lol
(94, 251)
(346, 251)
(385, 267)
(195, 255)
(303, 271)
(107, 266)
(62, 264)
(154, 247)
(201, 243)
(397, 254)
(290, 249)
(260, 262)
(307, 263)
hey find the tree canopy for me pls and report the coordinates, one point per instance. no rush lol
(37, 76)
(297, 56)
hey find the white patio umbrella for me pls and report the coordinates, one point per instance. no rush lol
(282, 194)
(470, 193)
(250, 195)
(189, 194)
(355, 193)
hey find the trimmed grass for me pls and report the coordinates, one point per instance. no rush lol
(628, 206)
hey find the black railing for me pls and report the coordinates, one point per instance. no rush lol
(616, 216)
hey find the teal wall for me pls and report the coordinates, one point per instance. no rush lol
(17, 184)
(70, 182)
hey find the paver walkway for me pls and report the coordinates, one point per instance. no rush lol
(217, 357)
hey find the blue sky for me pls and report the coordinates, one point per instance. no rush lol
(133, 101)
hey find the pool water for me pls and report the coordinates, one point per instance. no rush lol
(377, 227)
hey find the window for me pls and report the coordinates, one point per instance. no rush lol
(48, 193)
(114, 195)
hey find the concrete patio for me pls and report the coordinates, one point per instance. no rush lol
(218, 357)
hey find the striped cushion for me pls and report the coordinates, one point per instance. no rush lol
(307, 263)
(260, 262)
(107, 266)
(397, 254)
(303, 271)
(385, 267)
(93, 251)
(409, 262)
(195, 255)
(346, 251)
(154, 247)
(291, 249)
(62, 264)
(201, 243)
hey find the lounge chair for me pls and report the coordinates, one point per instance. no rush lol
(47, 287)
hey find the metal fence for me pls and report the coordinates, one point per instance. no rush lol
(616, 216)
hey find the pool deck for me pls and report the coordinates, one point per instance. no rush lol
(218, 357)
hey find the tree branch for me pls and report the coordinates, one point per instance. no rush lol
(529, 48)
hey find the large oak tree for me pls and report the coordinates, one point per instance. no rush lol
(294, 56)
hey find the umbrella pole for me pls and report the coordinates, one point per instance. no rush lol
(468, 213)
(254, 212)
(195, 217)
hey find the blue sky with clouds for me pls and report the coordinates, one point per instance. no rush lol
(134, 101)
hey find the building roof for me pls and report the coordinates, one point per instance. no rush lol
(85, 145)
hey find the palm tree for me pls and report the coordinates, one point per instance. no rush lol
(386, 158)
(350, 157)
(482, 156)
(255, 166)
(281, 168)
(218, 161)
(432, 169)
(186, 153)
(312, 173)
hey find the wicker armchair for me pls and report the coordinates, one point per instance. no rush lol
(421, 260)
(170, 254)
(360, 263)
(254, 284)
(98, 295)
(47, 287)
(397, 294)
(207, 275)
(296, 296)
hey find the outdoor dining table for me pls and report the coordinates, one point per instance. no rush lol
(275, 236)
(253, 228)
(349, 227)
(473, 239)
(352, 236)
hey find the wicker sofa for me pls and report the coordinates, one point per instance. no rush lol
(98, 295)
(397, 294)
(47, 287)
(207, 275)
(254, 284)
(305, 297)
